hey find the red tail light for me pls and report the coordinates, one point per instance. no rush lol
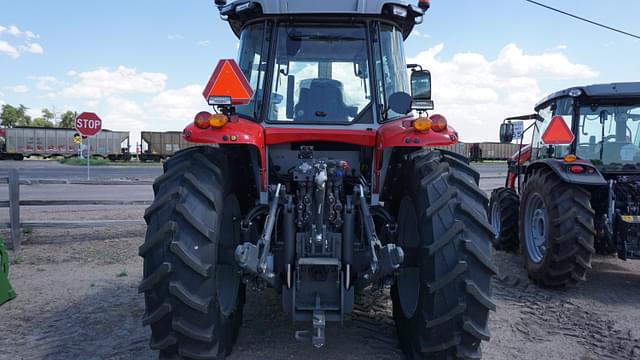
(201, 120)
(424, 4)
(438, 123)
(576, 169)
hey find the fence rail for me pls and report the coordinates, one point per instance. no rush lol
(14, 203)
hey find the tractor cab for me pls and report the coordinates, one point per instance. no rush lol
(583, 167)
(334, 63)
(599, 124)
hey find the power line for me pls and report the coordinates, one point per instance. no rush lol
(583, 19)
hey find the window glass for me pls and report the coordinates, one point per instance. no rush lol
(391, 68)
(252, 60)
(609, 134)
(321, 74)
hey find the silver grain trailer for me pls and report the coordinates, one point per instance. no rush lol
(20, 142)
(161, 145)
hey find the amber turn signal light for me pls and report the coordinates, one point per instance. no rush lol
(422, 124)
(217, 121)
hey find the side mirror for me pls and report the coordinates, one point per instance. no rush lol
(506, 132)
(421, 90)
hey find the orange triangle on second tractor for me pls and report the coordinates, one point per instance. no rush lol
(558, 133)
(228, 80)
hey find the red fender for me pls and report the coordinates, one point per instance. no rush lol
(400, 133)
(236, 131)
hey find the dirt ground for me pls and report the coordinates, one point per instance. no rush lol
(77, 299)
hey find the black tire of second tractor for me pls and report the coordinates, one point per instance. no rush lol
(453, 253)
(186, 225)
(571, 232)
(508, 203)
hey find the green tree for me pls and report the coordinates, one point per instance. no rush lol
(14, 116)
(41, 122)
(66, 119)
(48, 115)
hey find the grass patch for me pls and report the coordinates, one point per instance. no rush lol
(16, 260)
(105, 162)
(83, 162)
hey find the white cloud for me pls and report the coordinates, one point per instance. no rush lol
(15, 50)
(475, 93)
(419, 34)
(33, 48)
(44, 83)
(204, 43)
(513, 62)
(18, 89)
(105, 83)
(15, 31)
(8, 49)
(175, 37)
(176, 107)
(123, 114)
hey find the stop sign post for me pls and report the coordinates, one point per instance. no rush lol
(88, 124)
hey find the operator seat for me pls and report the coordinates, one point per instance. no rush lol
(322, 101)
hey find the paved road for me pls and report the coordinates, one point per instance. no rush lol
(492, 176)
(42, 169)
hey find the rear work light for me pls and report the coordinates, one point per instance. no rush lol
(424, 4)
(438, 123)
(399, 11)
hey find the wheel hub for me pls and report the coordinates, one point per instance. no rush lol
(495, 218)
(536, 228)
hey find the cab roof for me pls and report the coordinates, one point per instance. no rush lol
(241, 11)
(613, 90)
(286, 7)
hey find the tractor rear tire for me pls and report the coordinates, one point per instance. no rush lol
(556, 230)
(504, 206)
(193, 293)
(442, 296)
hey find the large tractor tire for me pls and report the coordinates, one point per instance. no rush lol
(504, 205)
(556, 230)
(193, 291)
(442, 296)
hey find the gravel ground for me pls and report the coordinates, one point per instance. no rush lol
(78, 299)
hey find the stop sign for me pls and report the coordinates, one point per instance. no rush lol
(88, 124)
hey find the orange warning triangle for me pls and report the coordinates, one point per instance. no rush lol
(228, 80)
(558, 133)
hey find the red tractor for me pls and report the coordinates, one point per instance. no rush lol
(575, 190)
(313, 177)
